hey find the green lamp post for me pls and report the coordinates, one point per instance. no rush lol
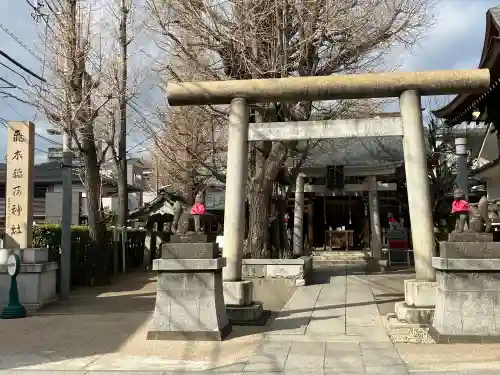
(14, 309)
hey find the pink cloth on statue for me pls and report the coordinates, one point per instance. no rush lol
(459, 206)
(198, 209)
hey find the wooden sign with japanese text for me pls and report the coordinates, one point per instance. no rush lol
(19, 187)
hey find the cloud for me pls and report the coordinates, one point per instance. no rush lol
(454, 42)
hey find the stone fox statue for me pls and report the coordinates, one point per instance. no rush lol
(479, 217)
(180, 223)
(460, 208)
(470, 217)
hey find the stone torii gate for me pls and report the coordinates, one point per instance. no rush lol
(408, 87)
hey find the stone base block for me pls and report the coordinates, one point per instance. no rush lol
(470, 237)
(249, 313)
(298, 270)
(300, 282)
(190, 335)
(193, 238)
(420, 293)
(238, 293)
(36, 284)
(441, 338)
(203, 250)
(189, 300)
(414, 315)
(34, 256)
(467, 305)
(469, 250)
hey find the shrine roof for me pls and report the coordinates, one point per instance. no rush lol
(461, 107)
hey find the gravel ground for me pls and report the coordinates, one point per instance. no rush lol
(411, 335)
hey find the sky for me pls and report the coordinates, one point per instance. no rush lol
(455, 41)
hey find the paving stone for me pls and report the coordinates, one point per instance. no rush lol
(378, 332)
(232, 368)
(309, 356)
(268, 357)
(334, 325)
(295, 316)
(342, 348)
(458, 372)
(348, 363)
(386, 370)
(373, 357)
(270, 347)
(376, 345)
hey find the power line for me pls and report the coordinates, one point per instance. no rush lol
(12, 85)
(2, 121)
(19, 65)
(46, 139)
(19, 41)
(16, 72)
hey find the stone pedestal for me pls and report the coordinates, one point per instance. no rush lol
(36, 281)
(240, 306)
(468, 289)
(189, 299)
(419, 304)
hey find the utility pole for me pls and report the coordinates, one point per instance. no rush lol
(122, 122)
(156, 174)
(462, 179)
(67, 202)
(67, 166)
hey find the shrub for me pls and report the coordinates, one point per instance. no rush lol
(49, 235)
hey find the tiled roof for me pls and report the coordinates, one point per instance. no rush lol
(462, 105)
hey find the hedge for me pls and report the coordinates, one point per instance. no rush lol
(49, 235)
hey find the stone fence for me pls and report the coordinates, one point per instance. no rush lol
(297, 270)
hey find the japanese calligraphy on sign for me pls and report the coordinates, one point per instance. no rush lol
(19, 188)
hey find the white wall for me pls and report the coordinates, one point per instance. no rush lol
(53, 207)
(112, 204)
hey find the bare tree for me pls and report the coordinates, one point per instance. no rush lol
(191, 149)
(73, 99)
(241, 39)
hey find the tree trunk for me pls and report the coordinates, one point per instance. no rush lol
(281, 213)
(259, 197)
(97, 253)
(259, 221)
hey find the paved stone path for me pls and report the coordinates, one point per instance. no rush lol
(333, 328)
(291, 372)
